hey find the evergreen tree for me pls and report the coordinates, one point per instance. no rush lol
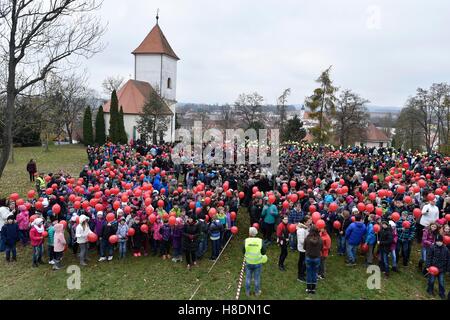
(322, 106)
(100, 136)
(88, 136)
(123, 139)
(114, 118)
(293, 130)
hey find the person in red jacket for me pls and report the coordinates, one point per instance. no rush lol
(283, 240)
(326, 240)
(37, 240)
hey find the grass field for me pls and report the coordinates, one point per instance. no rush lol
(153, 278)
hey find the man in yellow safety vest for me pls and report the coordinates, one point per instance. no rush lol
(255, 251)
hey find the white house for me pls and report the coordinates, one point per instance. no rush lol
(155, 68)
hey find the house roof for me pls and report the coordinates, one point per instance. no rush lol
(133, 96)
(375, 135)
(155, 43)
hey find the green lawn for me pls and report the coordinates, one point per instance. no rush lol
(153, 278)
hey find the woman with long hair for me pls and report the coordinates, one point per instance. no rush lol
(313, 248)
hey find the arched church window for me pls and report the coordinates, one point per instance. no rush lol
(169, 83)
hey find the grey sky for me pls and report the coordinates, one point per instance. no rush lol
(235, 46)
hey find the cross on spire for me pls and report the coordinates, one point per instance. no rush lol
(157, 16)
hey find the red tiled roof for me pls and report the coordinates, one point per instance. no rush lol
(133, 96)
(375, 135)
(156, 42)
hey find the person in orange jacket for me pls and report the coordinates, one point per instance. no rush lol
(326, 239)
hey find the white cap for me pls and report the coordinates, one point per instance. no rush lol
(100, 213)
(392, 223)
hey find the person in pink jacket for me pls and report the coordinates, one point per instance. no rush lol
(157, 237)
(59, 245)
(37, 240)
(24, 224)
(394, 246)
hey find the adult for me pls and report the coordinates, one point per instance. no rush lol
(191, 232)
(283, 240)
(269, 215)
(385, 240)
(32, 169)
(354, 235)
(4, 214)
(430, 214)
(302, 233)
(254, 250)
(313, 248)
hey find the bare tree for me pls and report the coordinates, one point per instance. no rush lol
(281, 106)
(249, 108)
(35, 37)
(227, 116)
(112, 83)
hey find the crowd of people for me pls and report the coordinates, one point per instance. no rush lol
(134, 198)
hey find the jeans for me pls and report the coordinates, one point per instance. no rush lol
(301, 265)
(283, 253)
(191, 256)
(384, 260)
(403, 247)
(83, 252)
(351, 253)
(424, 253)
(341, 244)
(322, 268)
(9, 250)
(202, 247)
(431, 280)
(252, 271)
(293, 241)
(369, 254)
(37, 253)
(268, 230)
(394, 259)
(122, 249)
(107, 248)
(215, 248)
(51, 253)
(24, 236)
(312, 268)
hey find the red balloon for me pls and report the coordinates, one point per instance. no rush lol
(212, 212)
(233, 216)
(285, 204)
(395, 216)
(446, 240)
(294, 197)
(431, 197)
(31, 194)
(318, 181)
(353, 218)
(372, 196)
(192, 205)
(256, 225)
(113, 239)
(361, 207)
(320, 224)
(241, 195)
(255, 189)
(39, 205)
(382, 193)
(56, 209)
(315, 217)
(301, 194)
(407, 199)
(152, 218)
(272, 199)
(92, 237)
(312, 208)
(110, 217)
(172, 221)
(337, 225)
(144, 228)
(293, 184)
(417, 213)
(333, 207)
(439, 191)
(127, 209)
(72, 198)
(64, 223)
(207, 201)
(99, 207)
(344, 189)
(15, 196)
(49, 191)
(116, 205)
(433, 271)
(401, 189)
(406, 224)
(364, 247)
(292, 228)
(334, 185)
(370, 208)
(160, 203)
(376, 228)
(234, 230)
(375, 178)
(422, 183)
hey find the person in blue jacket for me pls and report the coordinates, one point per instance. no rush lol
(371, 239)
(354, 236)
(10, 235)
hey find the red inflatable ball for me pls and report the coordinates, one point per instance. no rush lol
(446, 240)
(64, 223)
(361, 207)
(45, 234)
(372, 196)
(434, 271)
(207, 201)
(49, 191)
(233, 216)
(334, 185)
(439, 191)
(110, 217)
(293, 184)
(234, 230)
(292, 228)
(31, 194)
(344, 189)
(160, 203)
(407, 199)
(378, 212)
(312, 208)
(401, 189)
(144, 228)
(172, 221)
(376, 228)
(116, 205)
(422, 183)
(99, 207)
(131, 232)
(375, 178)
(92, 237)
(39, 205)
(337, 225)
(320, 224)
(212, 212)
(241, 195)
(72, 198)
(165, 216)
(285, 204)
(395, 216)
(301, 194)
(333, 207)
(152, 218)
(294, 197)
(315, 217)
(256, 225)
(353, 218)
(127, 209)
(406, 224)
(370, 208)
(113, 239)
(173, 214)
(15, 196)
(192, 205)
(431, 197)
(417, 213)
(447, 217)
(56, 208)
(255, 189)
(364, 248)
(272, 199)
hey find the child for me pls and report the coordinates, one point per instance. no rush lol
(157, 237)
(371, 239)
(428, 239)
(10, 235)
(122, 233)
(59, 244)
(438, 256)
(37, 240)
(394, 245)
(326, 240)
(50, 241)
(72, 234)
(176, 241)
(136, 240)
(166, 233)
(108, 230)
(405, 237)
(215, 230)
(81, 233)
(384, 243)
(24, 224)
(283, 240)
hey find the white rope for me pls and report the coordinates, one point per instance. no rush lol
(241, 278)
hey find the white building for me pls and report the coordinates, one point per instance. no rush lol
(155, 68)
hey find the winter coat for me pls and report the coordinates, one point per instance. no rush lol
(215, 229)
(166, 232)
(302, 233)
(439, 257)
(355, 233)
(23, 220)
(51, 235)
(269, 214)
(177, 236)
(136, 240)
(394, 239)
(59, 240)
(81, 232)
(108, 230)
(98, 226)
(36, 237)
(326, 240)
(156, 228)
(313, 247)
(386, 237)
(371, 237)
(122, 232)
(282, 232)
(10, 234)
(4, 214)
(428, 238)
(190, 236)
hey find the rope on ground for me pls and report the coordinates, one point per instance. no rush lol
(241, 278)
(196, 290)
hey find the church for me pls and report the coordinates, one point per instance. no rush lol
(155, 69)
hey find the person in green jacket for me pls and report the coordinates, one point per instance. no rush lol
(269, 215)
(51, 239)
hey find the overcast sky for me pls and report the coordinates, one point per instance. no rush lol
(382, 50)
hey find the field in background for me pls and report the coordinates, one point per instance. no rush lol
(152, 278)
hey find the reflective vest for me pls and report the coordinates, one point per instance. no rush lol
(253, 248)
(41, 182)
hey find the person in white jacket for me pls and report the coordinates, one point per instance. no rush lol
(82, 231)
(302, 233)
(4, 214)
(430, 214)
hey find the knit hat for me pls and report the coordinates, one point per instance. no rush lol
(439, 238)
